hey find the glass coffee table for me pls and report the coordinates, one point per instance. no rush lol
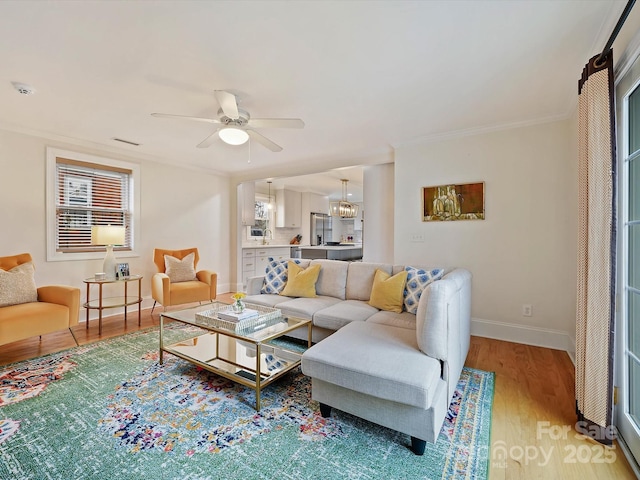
(245, 356)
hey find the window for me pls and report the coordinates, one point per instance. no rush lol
(262, 218)
(86, 191)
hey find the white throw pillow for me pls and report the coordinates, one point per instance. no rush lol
(18, 285)
(180, 270)
(417, 281)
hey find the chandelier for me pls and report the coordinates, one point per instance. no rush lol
(343, 208)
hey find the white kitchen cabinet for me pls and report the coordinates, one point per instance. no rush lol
(263, 254)
(256, 259)
(288, 209)
(359, 220)
(248, 264)
(248, 196)
(318, 203)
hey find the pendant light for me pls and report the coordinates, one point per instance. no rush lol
(343, 208)
(269, 204)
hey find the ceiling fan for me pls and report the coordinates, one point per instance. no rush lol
(235, 126)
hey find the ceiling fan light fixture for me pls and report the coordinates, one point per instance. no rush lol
(233, 136)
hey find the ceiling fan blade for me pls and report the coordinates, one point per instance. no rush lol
(207, 142)
(264, 141)
(276, 123)
(185, 117)
(228, 103)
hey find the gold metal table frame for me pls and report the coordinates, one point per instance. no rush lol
(112, 302)
(245, 357)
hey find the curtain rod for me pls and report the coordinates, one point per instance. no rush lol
(616, 30)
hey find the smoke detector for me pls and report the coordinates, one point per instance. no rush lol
(23, 88)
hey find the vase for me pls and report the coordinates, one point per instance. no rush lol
(238, 306)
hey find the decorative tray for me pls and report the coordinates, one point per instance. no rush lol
(267, 316)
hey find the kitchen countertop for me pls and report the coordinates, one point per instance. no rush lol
(268, 245)
(333, 247)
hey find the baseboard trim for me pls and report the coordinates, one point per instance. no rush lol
(536, 336)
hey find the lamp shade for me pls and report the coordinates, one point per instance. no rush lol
(107, 235)
(233, 136)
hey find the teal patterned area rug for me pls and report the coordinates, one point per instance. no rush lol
(109, 411)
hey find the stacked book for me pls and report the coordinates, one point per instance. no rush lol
(232, 316)
(247, 321)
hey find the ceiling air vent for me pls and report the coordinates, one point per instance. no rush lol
(126, 141)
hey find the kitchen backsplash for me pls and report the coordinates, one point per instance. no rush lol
(282, 236)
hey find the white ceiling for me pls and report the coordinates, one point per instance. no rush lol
(365, 76)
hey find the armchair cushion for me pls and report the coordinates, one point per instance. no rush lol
(18, 285)
(180, 270)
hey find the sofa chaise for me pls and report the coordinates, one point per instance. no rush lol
(396, 369)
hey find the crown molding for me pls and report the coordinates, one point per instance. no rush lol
(131, 155)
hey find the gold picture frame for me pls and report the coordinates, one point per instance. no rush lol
(452, 202)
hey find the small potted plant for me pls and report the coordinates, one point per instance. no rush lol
(238, 304)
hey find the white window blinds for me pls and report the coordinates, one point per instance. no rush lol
(90, 194)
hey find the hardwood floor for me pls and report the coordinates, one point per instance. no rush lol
(532, 433)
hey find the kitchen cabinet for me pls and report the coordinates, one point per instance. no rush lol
(317, 203)
(288, 209)
(248, 264)
(256, 259)
(338, 252)
(358, 222)
(248, 200)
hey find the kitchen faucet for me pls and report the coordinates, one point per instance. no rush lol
(267, 231)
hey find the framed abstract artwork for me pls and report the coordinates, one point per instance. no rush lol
(453, 202)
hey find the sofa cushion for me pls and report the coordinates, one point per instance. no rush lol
(417, 281)
(387, 291)
(360, 279)
(400, 320)
(266, 300)
(306, 307)
(338, 315)
(180, 270)
(301, 281)
(275, 277)
(332, 279)
(17, 285)
(377, 360)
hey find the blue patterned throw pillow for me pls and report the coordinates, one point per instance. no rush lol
(417, 281)
(275, 276)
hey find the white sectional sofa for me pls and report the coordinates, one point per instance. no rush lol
(398, 370)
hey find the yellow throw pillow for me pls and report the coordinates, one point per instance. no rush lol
(387, 292)
(301, 282)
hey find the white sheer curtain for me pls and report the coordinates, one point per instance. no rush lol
(596, 250)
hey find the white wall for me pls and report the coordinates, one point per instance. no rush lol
(525, 250)
(378, 195)
(179, 208)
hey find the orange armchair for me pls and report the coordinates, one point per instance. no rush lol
(203, 288)
(57, 308)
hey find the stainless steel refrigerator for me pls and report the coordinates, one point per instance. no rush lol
(320, 228)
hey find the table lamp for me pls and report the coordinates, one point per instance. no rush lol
(108, 235)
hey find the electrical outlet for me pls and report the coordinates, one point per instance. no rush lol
(527, 310)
